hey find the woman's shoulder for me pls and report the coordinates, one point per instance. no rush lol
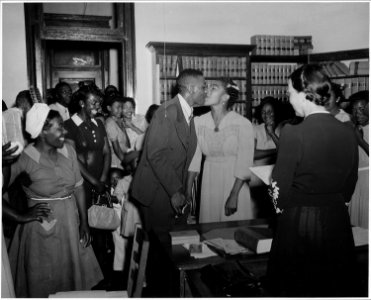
(110, 122)
(258, 127)
(237, 118)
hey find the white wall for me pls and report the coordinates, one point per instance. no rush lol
(14, 58)
(333, 26)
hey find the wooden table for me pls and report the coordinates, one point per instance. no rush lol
(190, 276)
(183, 262)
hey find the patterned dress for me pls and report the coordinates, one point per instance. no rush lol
(315, 174)
(229, 154)
(48, 257)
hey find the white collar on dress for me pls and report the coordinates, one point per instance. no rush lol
(78, 121)
(317, 112)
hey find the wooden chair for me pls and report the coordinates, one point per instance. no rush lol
(136, 278)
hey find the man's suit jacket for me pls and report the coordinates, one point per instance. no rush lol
(169, 147)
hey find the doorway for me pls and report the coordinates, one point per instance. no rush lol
(73, 62)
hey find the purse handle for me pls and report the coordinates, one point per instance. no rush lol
(98, 197)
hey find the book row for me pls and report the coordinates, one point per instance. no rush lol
(281, 44)
(352, 85)
(240, 107)
(359, 67)
(260, 92)
(212, 66)
(265, 73)
(335, 69)
(168, 89)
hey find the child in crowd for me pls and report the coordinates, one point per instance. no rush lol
(120, 183)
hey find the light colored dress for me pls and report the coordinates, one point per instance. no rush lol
(262, 142)
(358, 208)
(136, 140)
(7, 286)
(229, 154)
(342, 116)
(48, 257)
(115, 133)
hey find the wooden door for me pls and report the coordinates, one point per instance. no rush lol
(73, 62)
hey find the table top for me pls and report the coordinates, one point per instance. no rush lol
(181, 256)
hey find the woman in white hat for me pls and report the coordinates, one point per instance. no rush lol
(51, 249)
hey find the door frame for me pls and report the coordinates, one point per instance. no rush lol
(123, 34)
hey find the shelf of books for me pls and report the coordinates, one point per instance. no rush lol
(214, 60)
(353, 78)
(269, 79)
(276, 57)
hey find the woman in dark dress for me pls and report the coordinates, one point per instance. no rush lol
(313, 180)
(89, 138)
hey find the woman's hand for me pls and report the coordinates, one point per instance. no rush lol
(8, 154)
(270, 126)
(36, 213)
(100, 187)
(231, 204)
(85, 237)
(128, 123)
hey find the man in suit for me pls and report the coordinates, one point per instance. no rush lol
(160, 179)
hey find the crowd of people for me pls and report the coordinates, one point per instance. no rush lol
(90, 142)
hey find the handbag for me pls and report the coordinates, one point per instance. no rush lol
(101, 215)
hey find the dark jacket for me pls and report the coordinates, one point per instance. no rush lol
(168, 149)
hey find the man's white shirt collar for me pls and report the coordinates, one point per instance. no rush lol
(187, 110)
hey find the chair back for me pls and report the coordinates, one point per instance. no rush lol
(138, 263)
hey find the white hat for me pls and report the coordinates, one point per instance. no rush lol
(35, 119)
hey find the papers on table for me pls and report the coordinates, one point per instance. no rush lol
(226, 246)
(263, 172)
(206, 252)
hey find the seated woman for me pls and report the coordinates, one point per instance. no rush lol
(227, 140)
(51, 249)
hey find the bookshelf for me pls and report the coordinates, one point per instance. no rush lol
(269, 72)
(214, 60)
(354, 77)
